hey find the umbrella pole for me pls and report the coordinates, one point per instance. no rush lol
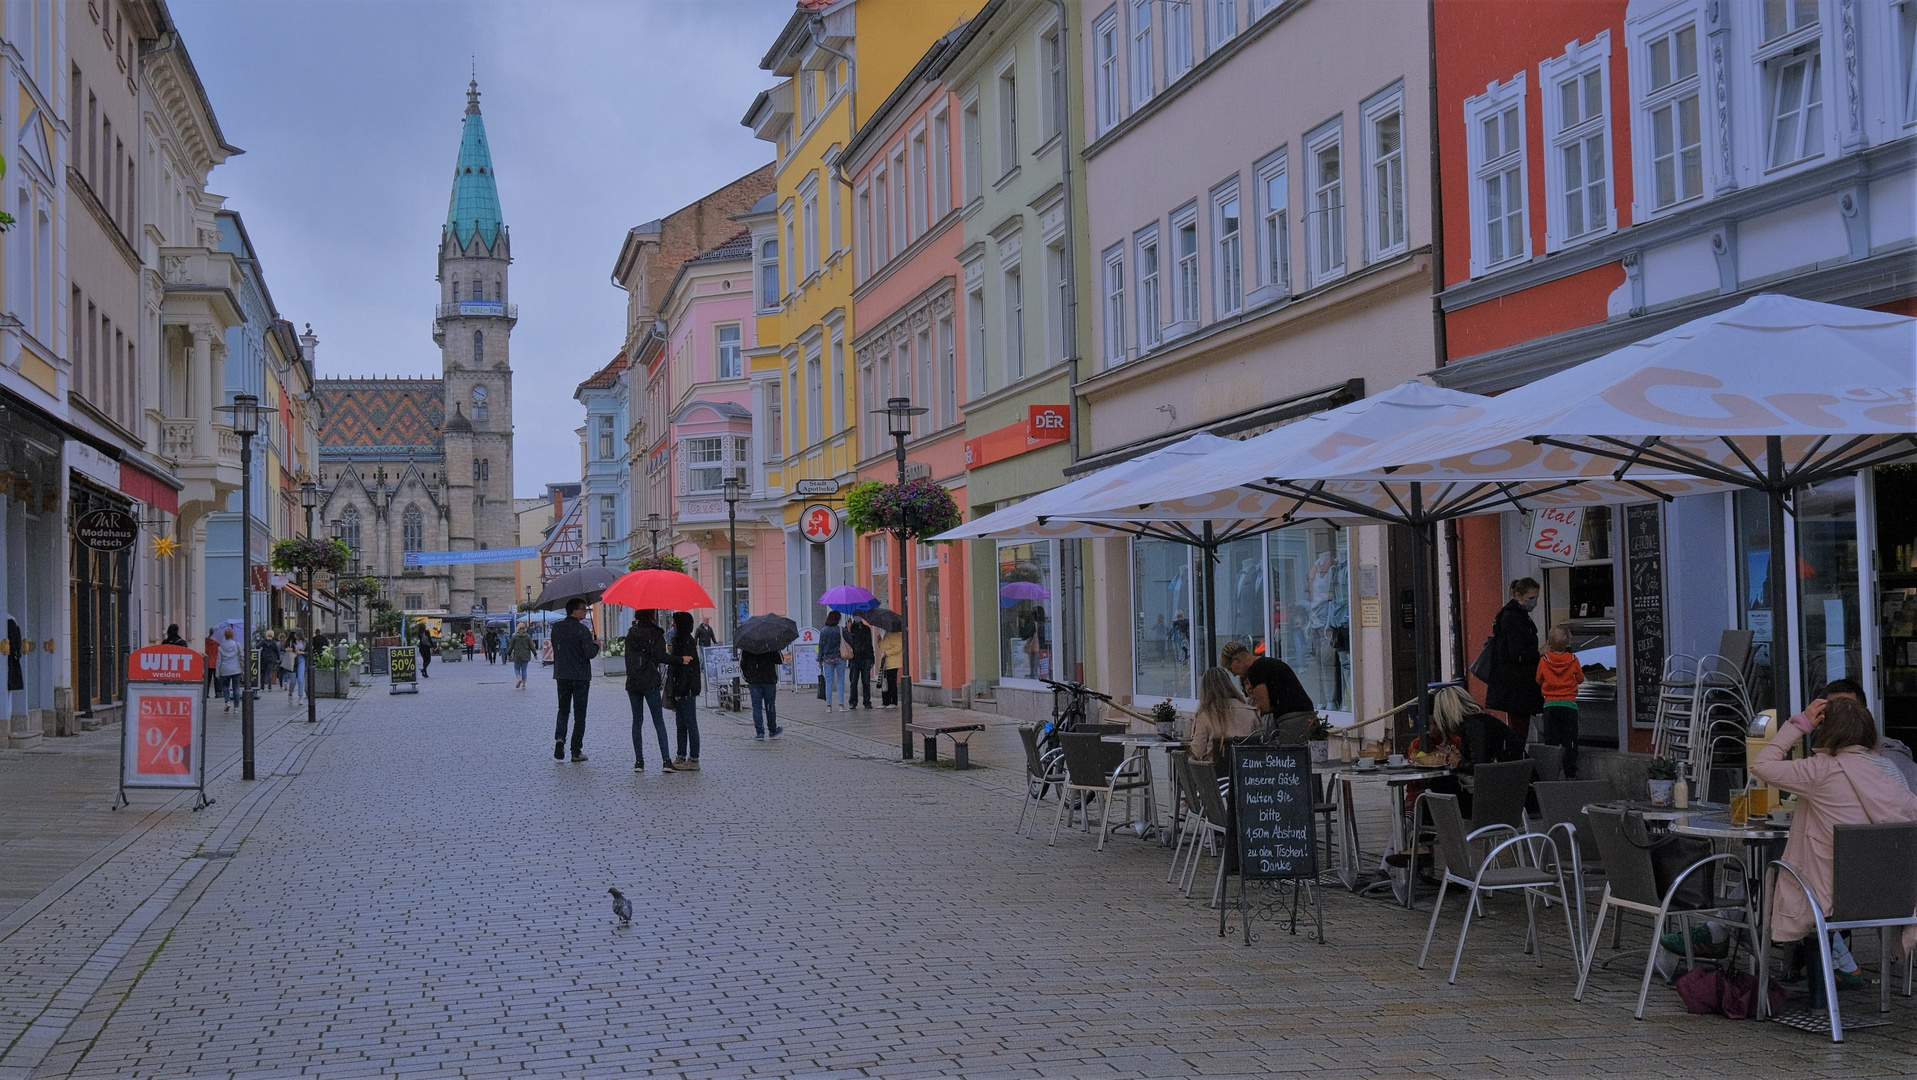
(1783, 580)
(1422, 603)
(1209, 555)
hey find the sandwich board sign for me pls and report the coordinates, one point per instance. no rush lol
(403, 666)
(163, 740)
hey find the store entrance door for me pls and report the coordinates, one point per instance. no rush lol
(1895, 591)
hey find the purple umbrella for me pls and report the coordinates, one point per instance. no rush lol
(847, 599)
(1023, 590)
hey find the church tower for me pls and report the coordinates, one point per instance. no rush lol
(473, 328)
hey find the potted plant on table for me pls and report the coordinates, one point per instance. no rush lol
(1165, 715)
(1663, 777)
(1320, 740)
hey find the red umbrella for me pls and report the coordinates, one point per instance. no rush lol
(668, 590)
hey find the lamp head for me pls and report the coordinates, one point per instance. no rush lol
(899, 412)
(244, 413)
(309, 495)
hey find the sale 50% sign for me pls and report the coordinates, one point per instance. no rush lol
(163, 744)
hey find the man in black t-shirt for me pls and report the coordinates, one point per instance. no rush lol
(1274, 691)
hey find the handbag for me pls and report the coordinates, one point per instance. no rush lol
(845, 649)
(1727, 990)
(1481, 667)
(1671, 855)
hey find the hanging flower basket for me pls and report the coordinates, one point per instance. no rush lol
(915, 509)
(658, 562)
(305, 553)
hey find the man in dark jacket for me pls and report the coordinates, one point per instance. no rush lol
(761, 673)
(428, 646)
(573, 647)
(645, 651)
(859, 633)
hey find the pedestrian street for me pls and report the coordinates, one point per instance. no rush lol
(426, 896)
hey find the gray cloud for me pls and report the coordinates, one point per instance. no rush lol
(600, 115)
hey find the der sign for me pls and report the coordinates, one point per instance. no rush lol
(106, 529)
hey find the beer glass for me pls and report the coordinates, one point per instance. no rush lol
(1740, 807)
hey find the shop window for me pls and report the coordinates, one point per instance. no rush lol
(1311, 610)
(1162, 632)
(1829, 604)
(1026, 584)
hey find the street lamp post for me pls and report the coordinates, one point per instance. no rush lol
(309, 499)
(603, 545)
(899, 414)
(653, 522)
(245, 413)
(732, 485)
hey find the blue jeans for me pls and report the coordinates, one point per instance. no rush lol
(640, 699)
(519, 669)
(230, 689)
(765, 710)
(833, 674)
(687, 711)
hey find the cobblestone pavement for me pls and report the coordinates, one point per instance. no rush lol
(418, 889)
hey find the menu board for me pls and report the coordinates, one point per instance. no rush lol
(1644, 577)
(1271, 794)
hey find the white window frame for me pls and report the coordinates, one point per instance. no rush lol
(767, 303)
(838, 384)
(808, 97)
(881, 219)
(971, 148)
(1178, 51)
(948, 413)
(1112, 303)
(1187, 289)
(1051, 85)
(975, 340)
(1385, 236)
(814, 398)
(1646, 103)
(1139, 18)
(1227, 250)
(1005, 116)
(1221, 23)
(835, 230)
(862, 229)
(1057, 283)
(774, 398)
(941, 139)
(901, 201)
(922, 215)
(704, 446)
(1012, 296)
(1579, 61)
(1495, 101)
(1794, 46)
(1274, 229)
(1106, 110)
(1326, 245)
(737, 351)
(789, 250)
(1149, 303)
(1903, 38)
(809, 219)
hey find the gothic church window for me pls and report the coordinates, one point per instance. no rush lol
(413, 530)
(479, 348)
(349, 527)
(455, 290)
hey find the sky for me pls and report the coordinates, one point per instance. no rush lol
(601, 116)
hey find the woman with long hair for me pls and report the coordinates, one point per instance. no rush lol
(1223, 713)
(682, 689)
(832, 663)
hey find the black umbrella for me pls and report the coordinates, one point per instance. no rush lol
(886, 619)
(766, 633)
(585, 583)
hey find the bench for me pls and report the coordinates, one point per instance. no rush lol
(959, 731)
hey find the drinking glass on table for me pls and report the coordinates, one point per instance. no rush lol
(1760, 802)
(1740, 807)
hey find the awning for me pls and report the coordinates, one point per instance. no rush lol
(148, 488)
(325, 601)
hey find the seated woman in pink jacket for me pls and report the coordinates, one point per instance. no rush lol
(1844, 782)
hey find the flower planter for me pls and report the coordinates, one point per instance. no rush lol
(1320, 751)
(329, 684)
(611, 665)
(1661, 791)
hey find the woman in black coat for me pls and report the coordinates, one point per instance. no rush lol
(683, 685)
(1513, 686)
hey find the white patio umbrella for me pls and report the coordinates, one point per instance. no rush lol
(1772, 395)
(1286, 475)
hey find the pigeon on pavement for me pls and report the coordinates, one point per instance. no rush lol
(621, 907)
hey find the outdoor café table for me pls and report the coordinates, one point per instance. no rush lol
(1757, 837)
(1140, 745)
(1344, 775)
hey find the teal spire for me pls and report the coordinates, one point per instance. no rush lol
(474, 206)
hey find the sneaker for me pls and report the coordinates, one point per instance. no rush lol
(638, 766)
(777, 731)
(559, 750)
(760, 737)
(668, 766)
(579, 757)
(679, 764)
(690, 765)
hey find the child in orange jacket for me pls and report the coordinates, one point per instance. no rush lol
(1559, 675)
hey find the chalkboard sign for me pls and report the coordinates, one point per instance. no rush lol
(378, 655)
(1271, 794)
(1644, 577)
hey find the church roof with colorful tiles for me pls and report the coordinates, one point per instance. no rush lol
(371, 418)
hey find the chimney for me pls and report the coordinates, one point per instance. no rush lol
(309, 343)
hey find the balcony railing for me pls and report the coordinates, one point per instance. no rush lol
(478, 309)
(177, 439)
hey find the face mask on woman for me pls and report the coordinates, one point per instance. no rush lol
(1530, 603)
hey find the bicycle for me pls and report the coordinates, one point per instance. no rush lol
(1069, 711)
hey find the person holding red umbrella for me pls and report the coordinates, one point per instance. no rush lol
(683, 685)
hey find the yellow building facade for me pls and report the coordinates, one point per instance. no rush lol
(838, 62)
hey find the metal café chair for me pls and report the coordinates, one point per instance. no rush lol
(1211, 802)
(1043, 771)
(1481, 876)
(1873, 886)
(1547, 759)
(1096, 767)
(1561, 806)
(1187, 819)
(1631, 885)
